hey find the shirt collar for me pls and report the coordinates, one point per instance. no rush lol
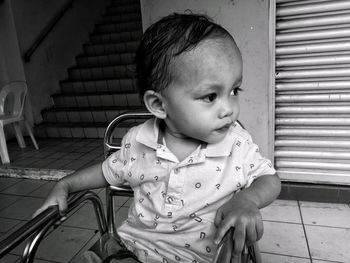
(151, 134)
(148, 133)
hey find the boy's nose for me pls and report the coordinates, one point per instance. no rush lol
(226, 110)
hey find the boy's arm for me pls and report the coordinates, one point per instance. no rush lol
(84, 179)
(242, 212)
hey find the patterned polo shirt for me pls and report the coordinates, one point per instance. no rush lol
(175, 202)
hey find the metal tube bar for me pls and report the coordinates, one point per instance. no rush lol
(326, 20)
(302, 9)
(313, 143)
(13, 240)
(314, 85)
(313, 154)
(313, 61)
(313, 73)
(110, 212)
(312, 132)
(313, 109)
(335, 97)
(108, 144)
(34, 241)
(313, 48)
(312, 165)
(313, 121)
(313, 35)
(47, 217)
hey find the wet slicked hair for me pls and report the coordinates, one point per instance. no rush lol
(167, 39)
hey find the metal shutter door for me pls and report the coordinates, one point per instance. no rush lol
(312, 90)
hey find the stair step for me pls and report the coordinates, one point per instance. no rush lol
(124, 2)
(102, 84)
(117, 27)
(84, 115)
(122, 9)
(120, 18)
(105, 85)
(107, 72)
(113, 48)
(105, 60)
(132, 35)
(100, 99)
(79, 130)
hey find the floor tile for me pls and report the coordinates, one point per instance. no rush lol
(43, 190)
(129, 202)
(60, 163)
(324, 214)
(10, 259)
(6, 182)
(121, 215)
(42, 163)
(118, 200)
(328, 243)
(273, 258)
(86, 247)
(24, 187)
(25, 162)
(23, 208)
(7, 224)
(63, 244)
(7, 200)
(84, 217)
(284, 239)
(278, 210)
(18, 250)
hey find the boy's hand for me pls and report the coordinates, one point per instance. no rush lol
(244, 217)
(57, 196)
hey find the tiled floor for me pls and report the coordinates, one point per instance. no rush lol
(295, 231)
(54, 159)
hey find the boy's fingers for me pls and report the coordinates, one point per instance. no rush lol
(223, 227)
(239, 239)
(37, 212)
(62, 206)
(218, 218)
(251, 235)
(259, 229)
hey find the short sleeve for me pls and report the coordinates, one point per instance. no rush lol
(254, 164)
(116, 165)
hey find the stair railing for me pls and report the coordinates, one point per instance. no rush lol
(46, 30)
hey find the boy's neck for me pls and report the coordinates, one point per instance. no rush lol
(179, 144)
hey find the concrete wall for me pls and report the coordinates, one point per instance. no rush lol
(11, 67)
(57, 52)
(247, 21)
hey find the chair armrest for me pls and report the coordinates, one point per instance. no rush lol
(38, 226)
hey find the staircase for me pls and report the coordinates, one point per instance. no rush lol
(101, 84)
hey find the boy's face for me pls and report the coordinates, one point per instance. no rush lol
(202, 100)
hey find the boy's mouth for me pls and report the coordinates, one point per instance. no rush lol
(224, 128)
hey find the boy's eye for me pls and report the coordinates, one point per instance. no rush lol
(210, 98)
(235, 91)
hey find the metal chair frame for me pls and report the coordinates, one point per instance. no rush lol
(37, 227)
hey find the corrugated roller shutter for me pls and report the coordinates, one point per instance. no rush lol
(312, 90)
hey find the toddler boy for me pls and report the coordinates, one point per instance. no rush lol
(194, 171)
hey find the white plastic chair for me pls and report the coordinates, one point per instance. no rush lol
(12, 98)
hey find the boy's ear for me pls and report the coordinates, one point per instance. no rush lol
(154, 103)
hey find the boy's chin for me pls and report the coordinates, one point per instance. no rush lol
(215, 138)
